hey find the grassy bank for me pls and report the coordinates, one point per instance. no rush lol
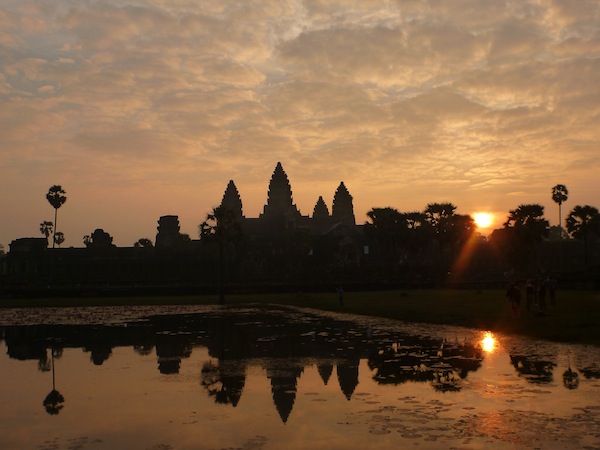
(576, 318)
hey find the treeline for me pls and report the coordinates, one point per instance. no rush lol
(391, 249)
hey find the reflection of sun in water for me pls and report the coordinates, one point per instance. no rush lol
(483, 219)
(488, 343)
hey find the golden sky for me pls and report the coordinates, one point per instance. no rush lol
(142, 108)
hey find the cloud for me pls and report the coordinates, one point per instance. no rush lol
(467, 100)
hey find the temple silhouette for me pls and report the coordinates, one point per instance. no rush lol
(280, 214)
(285, 250)
(279, 247)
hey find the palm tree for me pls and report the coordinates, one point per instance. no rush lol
(418, 233)
(582, 223)
(460, 230)
(59, 238)
(46, 228)
(385, 230)
(560, 194)
(530, 219)
(221, 227)
(527, 228)
(56, 197)
(439, 216)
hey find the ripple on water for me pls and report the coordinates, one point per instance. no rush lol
(508, 428)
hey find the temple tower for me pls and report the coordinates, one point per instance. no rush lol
(321, 220)
(168, 232)
(342, 209)
(321, 212)
(280, 207)
(232, 200)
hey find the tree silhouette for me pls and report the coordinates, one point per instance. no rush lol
(527, 228)
(418, 234)
(583, 222)
(560, 194)
(439, 216)
(529, 219)
(221, 227)
(59, 238)
(224, 380)
(56, 197)
(46, 228)
(460, 228)
(143, 243)
(385, 229)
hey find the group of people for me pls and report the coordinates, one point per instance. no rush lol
(537, 293)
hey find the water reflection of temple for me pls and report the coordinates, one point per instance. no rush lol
(282, 344)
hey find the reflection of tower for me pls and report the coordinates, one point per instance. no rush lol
(168, 232)
(283, 388)
(342, 209)
(347, 373)
(169, 351)
(325, 371)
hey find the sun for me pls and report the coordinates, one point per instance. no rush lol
(483, 219)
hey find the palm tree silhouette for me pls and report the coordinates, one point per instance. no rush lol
(56, 197)
(59, 238)
(582, 223)
(560, 194)
(222, 227)
(440, 217)
(46, 228)
(528, 228)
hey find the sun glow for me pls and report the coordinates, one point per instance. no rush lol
(488, 343)
(483, 219)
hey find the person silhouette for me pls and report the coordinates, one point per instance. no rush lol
(340, 293)
(514, 297)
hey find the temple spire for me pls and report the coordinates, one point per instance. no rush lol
(342, 209)
(321, 211)
(279, 201)
(231, 200)
(280, 191)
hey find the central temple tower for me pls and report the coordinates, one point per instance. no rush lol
(280, 207)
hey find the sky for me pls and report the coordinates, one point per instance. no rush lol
(144, 108)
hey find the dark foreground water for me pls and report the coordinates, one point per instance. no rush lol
(272, 378)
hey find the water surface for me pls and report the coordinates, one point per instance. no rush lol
(260, 377)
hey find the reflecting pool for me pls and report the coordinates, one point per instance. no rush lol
(257, 377)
